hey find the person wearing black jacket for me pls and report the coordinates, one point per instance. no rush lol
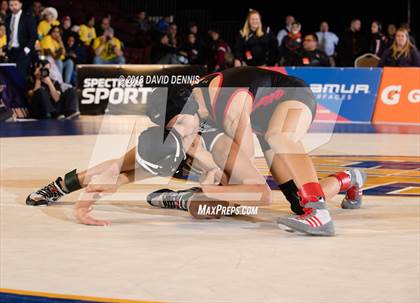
(162, 52)
(292, 44)
(352, 44)
(310, 55)
(21, 36)
(378, 41)
(46, 98)
(255, 46)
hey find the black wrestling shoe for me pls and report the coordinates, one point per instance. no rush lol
(46, 195)
(166, 198)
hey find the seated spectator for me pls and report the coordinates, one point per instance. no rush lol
(173, 35)
(74, 50)
(108, 49)
(192, 28)
(190, 50)
(37, 8)
(104, 25)
(141, 22)
(327, 41)
(162, 52)
(310, 55)
(407, 26)
(52, 45)
(378, 41)
(66, 29)
(49, 18)
(390, 34)
(3, 43)
(163, 24)
(4, 11)
(402, 52)
(46, 98)
(87, 32)
(222, 56)
(292, 43)
(255, 45)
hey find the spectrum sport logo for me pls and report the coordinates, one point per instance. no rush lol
(130, 89)
(339, 92)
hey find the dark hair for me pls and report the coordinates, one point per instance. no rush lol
(53, 28)
(191, 24)
(89, 17)
(379, 24)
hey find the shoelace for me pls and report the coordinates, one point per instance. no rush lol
(49, 191)
(170, 200)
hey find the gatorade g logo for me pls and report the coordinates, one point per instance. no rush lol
(391, 95)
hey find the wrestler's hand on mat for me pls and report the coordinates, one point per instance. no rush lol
(82, 210)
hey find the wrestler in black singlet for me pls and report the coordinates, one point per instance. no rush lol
(267, 88)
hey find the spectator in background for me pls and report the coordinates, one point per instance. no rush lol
(87, 32)
(292, 44)
(52, 45)
(21, 36)
(162, 52)
(222, 56)
(310, 55)
(255, 46)
(402, 51)
(351, 45)
(327, 41)
(4, 11)
(74, 51)
(108, 49)
(284, 31)
(407, 26)
(37, 8)
(163, 23)
(104, 25)
(46, 98)
(49, 19)
(173, 35)
(190, 50)
(3, 43)
(141, 23)
(66, 28)
(378, 41)
(192, 28)
(390, 33)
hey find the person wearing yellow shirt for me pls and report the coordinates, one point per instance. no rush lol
(49, 18)
(3, 42)
(87, 31)
(108, 49)
(52, 45)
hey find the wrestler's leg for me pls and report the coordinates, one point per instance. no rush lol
(289, 123)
